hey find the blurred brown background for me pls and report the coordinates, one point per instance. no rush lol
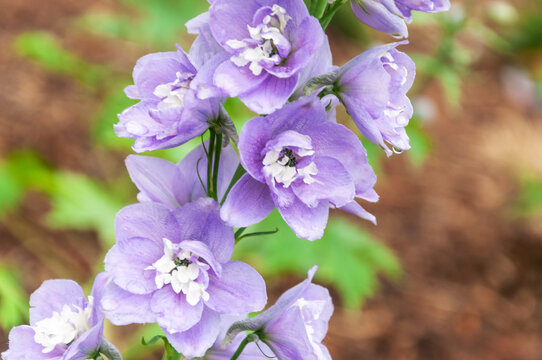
(464, 219)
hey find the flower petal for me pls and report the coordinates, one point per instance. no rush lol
(146, 220)
(239, 290)
(307, 222)
(248, 203)
(270, 94)
(124, 308)
(158, 180)
(332, 183)
(200, 220)
(196, 341)
(52, 295)
(128, 260)
(173, 312)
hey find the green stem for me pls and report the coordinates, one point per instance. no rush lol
(238, 238)
(326, 19)
(210, 162)
(241, 348)
(239, 232)
(216, 165)
(318, 8)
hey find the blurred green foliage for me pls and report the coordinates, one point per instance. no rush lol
(44, 49)
(160, 22)
(529, 201)
(348, 257)
(13, 300)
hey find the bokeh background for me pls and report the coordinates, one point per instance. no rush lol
(452, 271)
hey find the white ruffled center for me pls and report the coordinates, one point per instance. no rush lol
(283, 166)
(63, 327)
(180, 268)
(172, 94)
(272, 27)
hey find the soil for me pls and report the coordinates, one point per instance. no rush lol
(471, 284)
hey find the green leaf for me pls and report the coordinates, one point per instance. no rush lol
(529, 201)
(79, 202)
(347, 256)
(13, 300)
(161, 22)
(420, 143)
(44, 49)
(11, 190)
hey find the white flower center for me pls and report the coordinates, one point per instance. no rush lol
(62, 328)
(261, 48)
(181, 269)
(283, 166)
(172, 94)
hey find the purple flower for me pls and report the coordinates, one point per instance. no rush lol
(219, 352)
(296, 324)
(389, 16)
(173, 185)
(268, 43)
(373, 88)
(173, 268)
(63, 324)
(302, 163)
(169, 113)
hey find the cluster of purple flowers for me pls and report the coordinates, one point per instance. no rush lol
(171, 263)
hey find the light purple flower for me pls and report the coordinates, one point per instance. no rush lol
(173, 185)
(220, 352)
(174, 268)
(389, 16)
(268, 43)
(63, 324)
(301, 163)
(296, 324)
(169, 113)
(373, 88)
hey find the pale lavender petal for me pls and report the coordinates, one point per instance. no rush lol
(356, 209)
(252, 140)
(320, 63)
(236, 80)
(124, 308)
(203, 82)
(200, 220)
(146, 220)
(306, 42)
(196, 341)
(98, 287)
(52, 295)
(173, 312)
(307, 223)
(86, 344)
(248, 203)
(239, 290)
(159, 68)
(382, 15)
(202, 250)
(229, 19)
(300, 115)
(269, 95)
(128, 260)
(340, 143)
(332, 183)
(23, 347)
(205, 46)
(159, 180)
(287, 337)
